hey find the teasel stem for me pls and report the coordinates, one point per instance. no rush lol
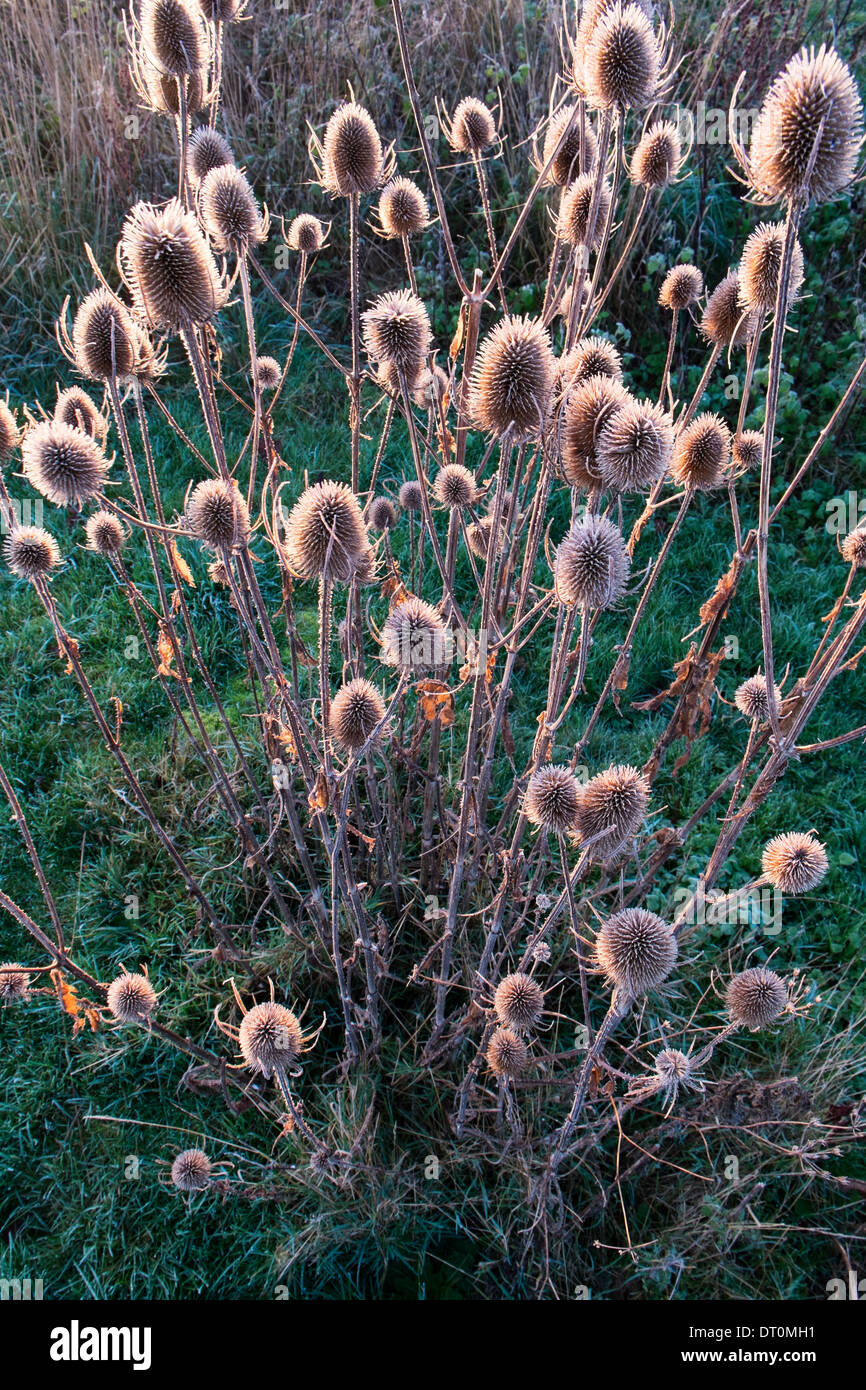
(296, 333)
(481, 176)
(599, 303)
(560, 1141)
(182, 141)
(582, 252)
(298, 1122)
(244, 277)
(751, 360)
(578, 943)
(218, 40)
(21, 822)
(792, 222)
(471, 309)
(666, 374)
(325, 593)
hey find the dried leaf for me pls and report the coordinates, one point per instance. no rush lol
(457, 340)
(166, 653)
(79, 1010)
(318, 798)
(437, 702)
(183, 568)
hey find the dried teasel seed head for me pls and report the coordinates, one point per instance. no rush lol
(229, 210)
(566, 166)
(270, 1038)
(14, 983)
(552, 798)
(173, 37)
(702, 453)
(305, 233)
(104, 338)
(507, 1054)
(414, 637)
(131, 998)
(325, 532)
(170, 267)
(572, 223)
(472, 127)
(589, 406)
(162, 90)
(513, 378)
(455, 487)
(673, 1069)
(658, 156)
(191, 1170)
(724, 321)
(751, 698)
(403, 209)
(747, 450)
(682, 286)
(397, 331)
(621, 59)
(430, 387)
(381, 514)
(269, 373)
(634, 447)
(74, 407)
(612, 808)
(217, 514)
(63, 463)
(31, 552)
(636, 950)
(352, 160)
(806, 140)
(355, 711)
(756, 997)
(590, 357)
(760, 265)
(221, 11)
(854, 547)
(105, 534)
(592, 564)
(206, 150)
(794, 862)
(518, 1002)
(410, 497)
(479, 534)
(10, 434)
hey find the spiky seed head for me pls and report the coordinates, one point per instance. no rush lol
(702, 453)
(217, 514)
(430, 387)
(172, 35)
(806, 139)
(479, 534)
(552, 798)
(325, 532)
(756, 997)
(621, 60)
(590, 357)
(566, 165)
(682, 286)
(403, 209)
(397, 330)
(355, 711)
(352, 160)
(104, 338)
(518, 1002)
(636, 950)
(794, 862)
(162, 90)
(513, 378)
(170, 267)
(105, 534)
(14, 983)
(191, 1170)
(472, 127)
(455, 487)
(270, 1038)
(364, 568)
(507, 1054)
(63, 463)
(658, 156)
(269, 373)
(10, 435)
(131, 998)
(31, 552)
(747, 450)
(305, 233)
(572, 224)
(74, 407)
(221, 11)
(673, 1069)
(854, 546)
(229, 210)
(592, 564)
(206, 150)
(760, 265)
(381, 514)
(724, 321)
(410, 496)
(414, 637)
(634, 446)
(751, 699)
(612, 808)
(589, 406)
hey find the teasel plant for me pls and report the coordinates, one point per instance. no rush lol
(388, 823)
